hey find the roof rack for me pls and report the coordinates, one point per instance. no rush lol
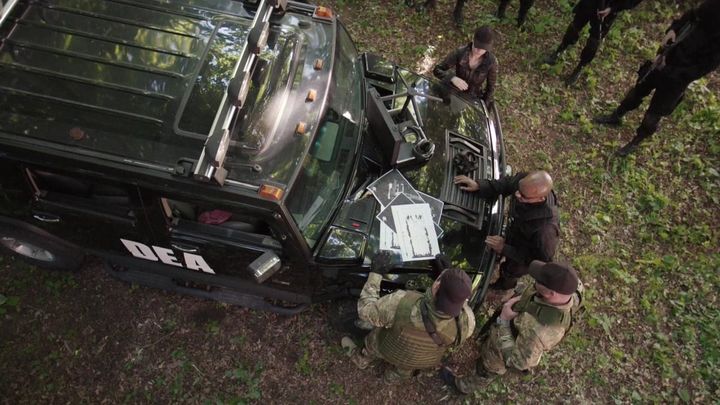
(6, 8)
(212, 157)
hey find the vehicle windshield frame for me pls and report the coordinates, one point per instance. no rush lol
(348, 139)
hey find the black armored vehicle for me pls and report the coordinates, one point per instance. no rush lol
(237, 151)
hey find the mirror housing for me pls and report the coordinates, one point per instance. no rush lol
(265, 266)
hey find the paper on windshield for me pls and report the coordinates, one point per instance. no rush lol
(415, 232)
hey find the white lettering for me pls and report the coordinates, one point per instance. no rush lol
(139, 250)
(166, 256)
(195, 262)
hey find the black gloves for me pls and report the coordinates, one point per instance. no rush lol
(380, 263)
(439, 264)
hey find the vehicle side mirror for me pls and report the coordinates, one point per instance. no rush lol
(378, 68)
(265, 266)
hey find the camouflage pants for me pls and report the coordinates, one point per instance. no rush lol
(489, 363)
(371, 353)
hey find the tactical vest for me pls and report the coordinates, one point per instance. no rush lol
(409, 346)
(546, 315)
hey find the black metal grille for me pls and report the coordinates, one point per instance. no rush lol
(461, 205)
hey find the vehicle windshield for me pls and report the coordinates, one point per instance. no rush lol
(326, 169)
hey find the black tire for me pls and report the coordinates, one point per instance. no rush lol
(39, 249)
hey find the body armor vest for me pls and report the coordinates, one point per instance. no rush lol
(546, 315)
(408, 345)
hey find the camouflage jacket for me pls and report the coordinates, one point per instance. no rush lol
(525, 339)
(380, 311)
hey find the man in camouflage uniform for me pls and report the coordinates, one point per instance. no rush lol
(412, 330)
(527, 326)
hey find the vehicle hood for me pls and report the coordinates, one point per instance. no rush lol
(455, 125)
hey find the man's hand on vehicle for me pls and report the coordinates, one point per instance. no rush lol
(380, 263)
(496, 243)
(466, 183)
(459, 83)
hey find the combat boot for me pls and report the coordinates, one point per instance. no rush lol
(552, 58)
(626, 150)
(428, 5)
(613, 119)
(573, 77)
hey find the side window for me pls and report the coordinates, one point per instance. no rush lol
(80, 192)
(212, 219)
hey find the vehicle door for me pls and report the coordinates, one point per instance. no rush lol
(210, 238)
(89, 211)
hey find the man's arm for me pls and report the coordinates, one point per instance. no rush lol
(685, 19)
(379, 311)
(492, 189)
(520, 353)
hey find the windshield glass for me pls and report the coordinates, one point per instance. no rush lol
(326, 169)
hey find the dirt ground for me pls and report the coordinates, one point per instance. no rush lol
(643, 232)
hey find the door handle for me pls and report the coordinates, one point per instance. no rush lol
(52, 219)
(184, 248)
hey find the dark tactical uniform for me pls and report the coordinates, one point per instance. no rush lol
(519, 345)
(691, 58)
(533, 231)
(400, 336)
(525, 6)
(585, 11)
(457, 63)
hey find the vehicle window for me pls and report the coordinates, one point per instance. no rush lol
(81, 191)
(326, 170)
(212, 219)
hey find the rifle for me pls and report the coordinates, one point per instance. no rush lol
(649, 67)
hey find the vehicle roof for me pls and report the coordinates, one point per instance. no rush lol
(142, 81)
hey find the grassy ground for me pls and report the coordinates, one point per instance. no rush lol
(643, 232)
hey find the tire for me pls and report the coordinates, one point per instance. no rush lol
(39, 249)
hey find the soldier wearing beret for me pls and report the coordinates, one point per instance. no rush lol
(412, 331)
(528, 325)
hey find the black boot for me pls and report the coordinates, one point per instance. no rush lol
(552, 58)
(458, 15)
(573, 77)
(631, 147)
(613, 119)
(428, 5)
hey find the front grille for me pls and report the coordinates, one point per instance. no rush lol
(460, 205)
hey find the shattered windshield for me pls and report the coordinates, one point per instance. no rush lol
(327, 167)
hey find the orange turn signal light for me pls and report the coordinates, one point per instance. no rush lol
(323, 12)
(271, 192)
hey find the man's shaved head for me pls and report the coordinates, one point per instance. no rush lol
(537, 184)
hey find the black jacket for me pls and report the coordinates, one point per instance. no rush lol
(533, 231)
(699, 52)
(457, 63)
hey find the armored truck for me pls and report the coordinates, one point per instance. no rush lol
(241, 151)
